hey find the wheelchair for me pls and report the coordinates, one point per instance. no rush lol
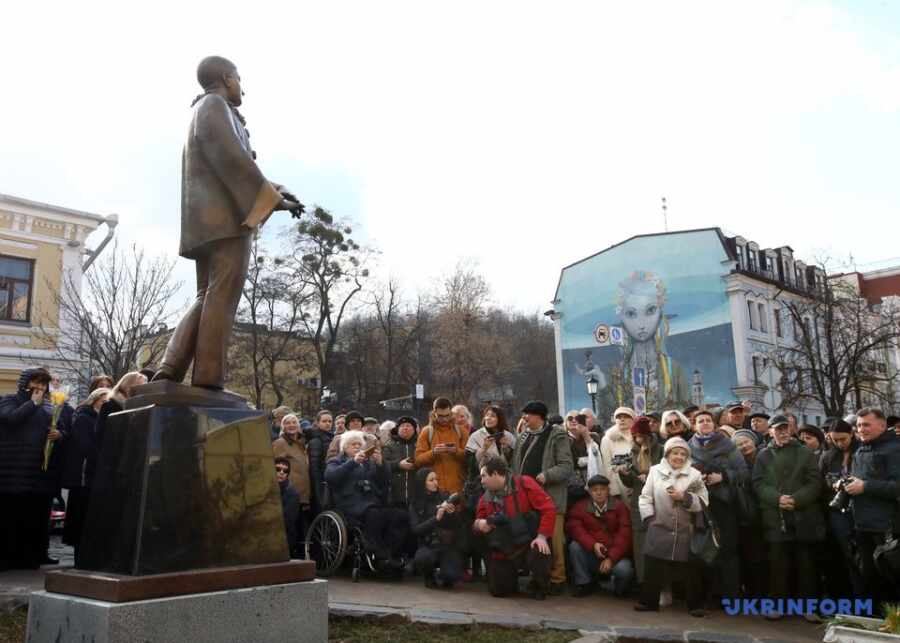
(331, 538)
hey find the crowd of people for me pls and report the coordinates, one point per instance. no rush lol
(702, 504)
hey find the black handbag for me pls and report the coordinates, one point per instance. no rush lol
(514, 531)
(705, 538)
(887, 558)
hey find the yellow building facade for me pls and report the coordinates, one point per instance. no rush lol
(40, 244)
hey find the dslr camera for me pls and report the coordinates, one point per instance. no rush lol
(623, 459)
(841, 500)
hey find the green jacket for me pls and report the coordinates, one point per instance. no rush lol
(789, 470)
(556, 465)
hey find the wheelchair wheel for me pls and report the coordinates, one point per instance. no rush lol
(327, 542)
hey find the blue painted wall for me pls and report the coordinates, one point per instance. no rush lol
(663, 297)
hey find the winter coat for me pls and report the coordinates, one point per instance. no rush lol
(295, 451)
(631, 480)
(79, 444)
(789, 470)
(356, 487)
(290, 506)
(613, 529)
(109, 407)
(402, 481)
(450, 467)
(23, 434)
(556, 464)
(317, 443)
(877, 462)
(478, 450)
(719, 455)
(430, 531)
(528, 496)
(615, 442)
(668, 524)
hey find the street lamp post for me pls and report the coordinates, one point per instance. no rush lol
(592, 386)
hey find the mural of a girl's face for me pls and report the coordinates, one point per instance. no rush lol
(640, 305)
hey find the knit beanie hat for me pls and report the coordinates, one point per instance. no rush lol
(747, 433)
(641, 426)
(671, 443)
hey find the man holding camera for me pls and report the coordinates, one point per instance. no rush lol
(543, 452)
(516, 517)
(874, 490)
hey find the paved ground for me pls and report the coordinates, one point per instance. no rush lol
(472, 603)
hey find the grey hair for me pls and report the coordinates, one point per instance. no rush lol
(352, 436)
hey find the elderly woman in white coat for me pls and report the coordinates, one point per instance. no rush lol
(669, 502)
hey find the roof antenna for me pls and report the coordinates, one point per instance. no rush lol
(665, 210)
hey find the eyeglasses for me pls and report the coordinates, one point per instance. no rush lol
(443, 416)
(282, 469)
(570, 419)
(673, 422)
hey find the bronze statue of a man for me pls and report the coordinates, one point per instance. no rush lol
(224, 196)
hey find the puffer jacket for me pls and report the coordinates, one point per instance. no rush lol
(877, 462)
(668, 523)
(78, 445)
(295, 451)
(450, 467)
(789, 470)
(615, 442)
(402, 481)
(556, 465)
(356, 487)
(23, 433)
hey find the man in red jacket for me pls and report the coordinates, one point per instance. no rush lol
(600, 529)
(516, 517)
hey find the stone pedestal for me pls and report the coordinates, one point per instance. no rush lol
(296, 612)
(185, 480)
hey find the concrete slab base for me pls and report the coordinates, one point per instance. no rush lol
(276, 613)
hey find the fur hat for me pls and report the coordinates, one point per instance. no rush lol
(624, 410)
(671, 443)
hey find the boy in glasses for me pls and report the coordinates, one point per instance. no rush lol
(290, 501)
(441, 446)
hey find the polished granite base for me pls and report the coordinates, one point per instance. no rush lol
(121, 588)
(185, 480)
(277, 613)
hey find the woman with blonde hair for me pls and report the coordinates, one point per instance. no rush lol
(115, 403)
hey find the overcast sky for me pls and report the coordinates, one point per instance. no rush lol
(520, 135)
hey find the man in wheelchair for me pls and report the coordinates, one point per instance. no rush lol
(359, 481)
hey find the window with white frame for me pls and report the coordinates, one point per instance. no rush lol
(777, 316)
(752, 314)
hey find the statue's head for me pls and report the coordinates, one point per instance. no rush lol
(216, 72)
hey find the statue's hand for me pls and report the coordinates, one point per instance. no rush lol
(288, 204)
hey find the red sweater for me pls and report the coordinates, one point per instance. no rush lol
(531, 496)
(612, 531)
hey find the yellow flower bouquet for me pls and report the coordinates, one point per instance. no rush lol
(58, 401)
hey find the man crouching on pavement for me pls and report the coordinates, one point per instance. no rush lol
(516, 517)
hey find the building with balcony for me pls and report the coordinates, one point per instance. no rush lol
(42, 249)
(671, 319)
